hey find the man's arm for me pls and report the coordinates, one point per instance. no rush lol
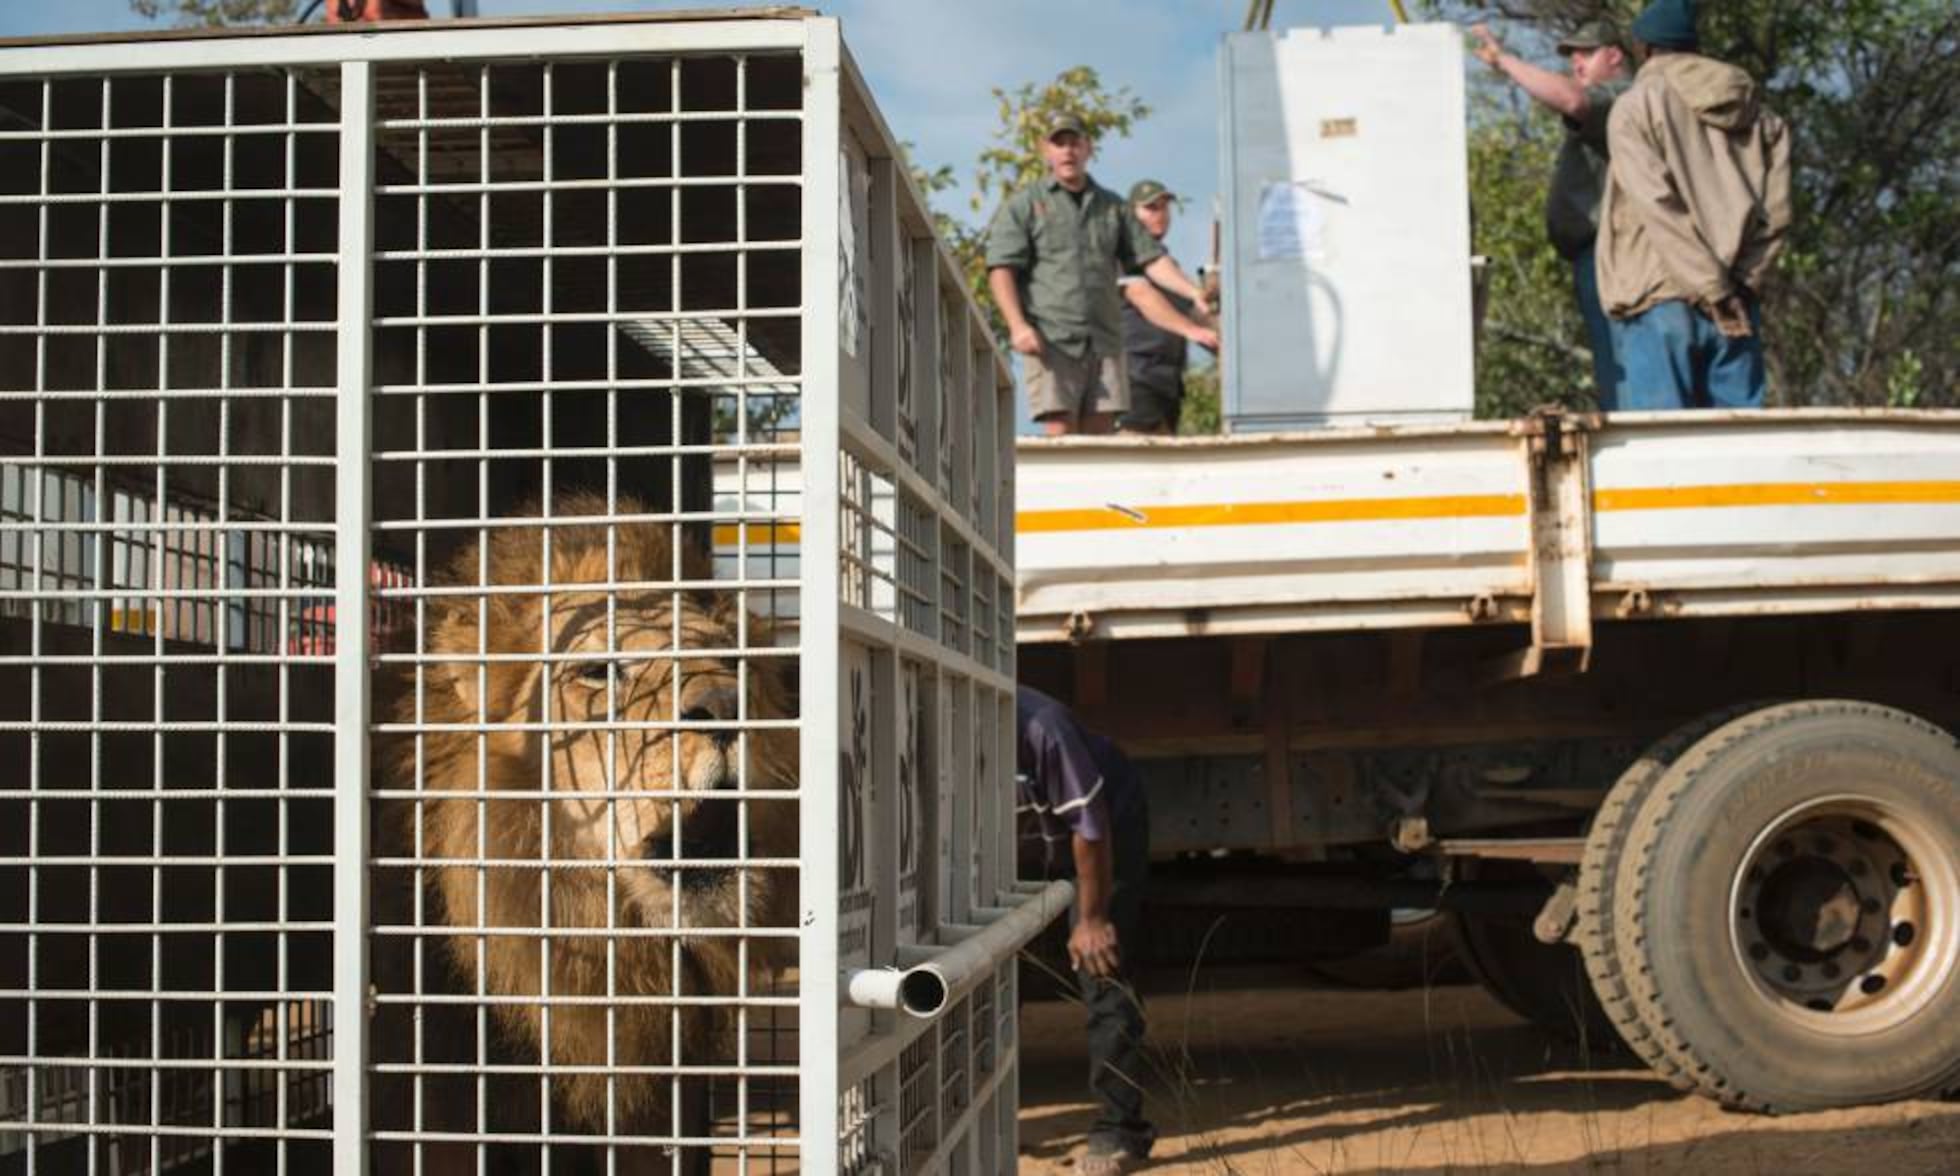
(1092, 945)
(1151, 303)
(1171, 276)
(1640, 172)
(1007, 295)
(1011, 251)
(1561, 92)
(1731, 314)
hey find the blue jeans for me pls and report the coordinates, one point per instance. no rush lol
(1674, 357)
(1607, 376)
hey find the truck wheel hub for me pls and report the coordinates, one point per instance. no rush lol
(1830, 918)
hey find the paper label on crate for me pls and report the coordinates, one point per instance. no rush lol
(1293, 220)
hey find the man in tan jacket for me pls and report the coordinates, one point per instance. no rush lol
(1695, 209)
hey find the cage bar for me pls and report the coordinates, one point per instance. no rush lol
(504, 601)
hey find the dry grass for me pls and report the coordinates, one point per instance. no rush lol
(1259, 1073)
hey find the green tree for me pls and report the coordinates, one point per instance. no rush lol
(1025, 113)
(1864, 308)
(1204, 411)
(1531, 346)
(221, 13)
(1012, 158)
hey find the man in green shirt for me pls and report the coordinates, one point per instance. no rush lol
(1582, 99)
(1054, 253)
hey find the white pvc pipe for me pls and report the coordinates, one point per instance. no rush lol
(933, 975)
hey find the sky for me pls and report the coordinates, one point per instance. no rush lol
(932, 65)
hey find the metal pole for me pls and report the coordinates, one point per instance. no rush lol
(818, 1119)
(351, 561)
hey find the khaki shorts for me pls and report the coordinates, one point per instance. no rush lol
(1075, 385)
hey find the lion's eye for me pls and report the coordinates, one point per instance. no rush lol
(592, 673)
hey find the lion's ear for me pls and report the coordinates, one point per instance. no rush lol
(454, 635)
(725, 608)
(460, 677)
(507, 691)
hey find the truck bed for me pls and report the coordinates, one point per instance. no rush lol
(1650, 515)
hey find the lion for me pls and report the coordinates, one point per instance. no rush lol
(657, 857)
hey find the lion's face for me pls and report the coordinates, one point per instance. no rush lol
(657, 794)
(654, 722)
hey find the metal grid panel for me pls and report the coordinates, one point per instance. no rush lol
(955, 1070)
(658, 419)
(167, 268)
(586, 300)
(924, 458)
(918, 1103)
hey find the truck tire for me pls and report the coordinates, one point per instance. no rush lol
(1598, 877)
(1545, 983)
(1787, 909)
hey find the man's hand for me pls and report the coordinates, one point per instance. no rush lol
(1491, 48)
(1026, 339)
(1092, 948)
(1731, 317)
(1204, 337)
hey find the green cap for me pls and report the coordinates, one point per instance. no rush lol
(1146, 191)
(1066, 122)
(1594, 34)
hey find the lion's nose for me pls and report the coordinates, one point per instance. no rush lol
(716, 704)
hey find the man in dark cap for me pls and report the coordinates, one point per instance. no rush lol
(1054, 252)
(1695, 209)
(1157, 324)
(1082, 816)
(1582, 99)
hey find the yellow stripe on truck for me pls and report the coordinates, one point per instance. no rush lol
(1450, 506)
(760, 534)
(1247, 514)
(1460, 506)
(1777, 494)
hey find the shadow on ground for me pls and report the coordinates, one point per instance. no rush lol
(1258, 1073)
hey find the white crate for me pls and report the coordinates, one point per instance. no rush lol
(1347, 233)
(610, 375)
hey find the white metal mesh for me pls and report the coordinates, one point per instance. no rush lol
(924, 483)
(167, 263)
(561, 365)
(586, 300)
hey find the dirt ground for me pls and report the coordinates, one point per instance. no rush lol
(1254, 1073)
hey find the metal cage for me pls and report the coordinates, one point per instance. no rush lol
(652, 808)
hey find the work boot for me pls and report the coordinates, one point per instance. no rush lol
(1107, 1158)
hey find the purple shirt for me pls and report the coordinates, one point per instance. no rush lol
(1068, 781)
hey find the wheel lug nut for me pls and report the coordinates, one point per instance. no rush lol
(1792, 973)
(1870, 906)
